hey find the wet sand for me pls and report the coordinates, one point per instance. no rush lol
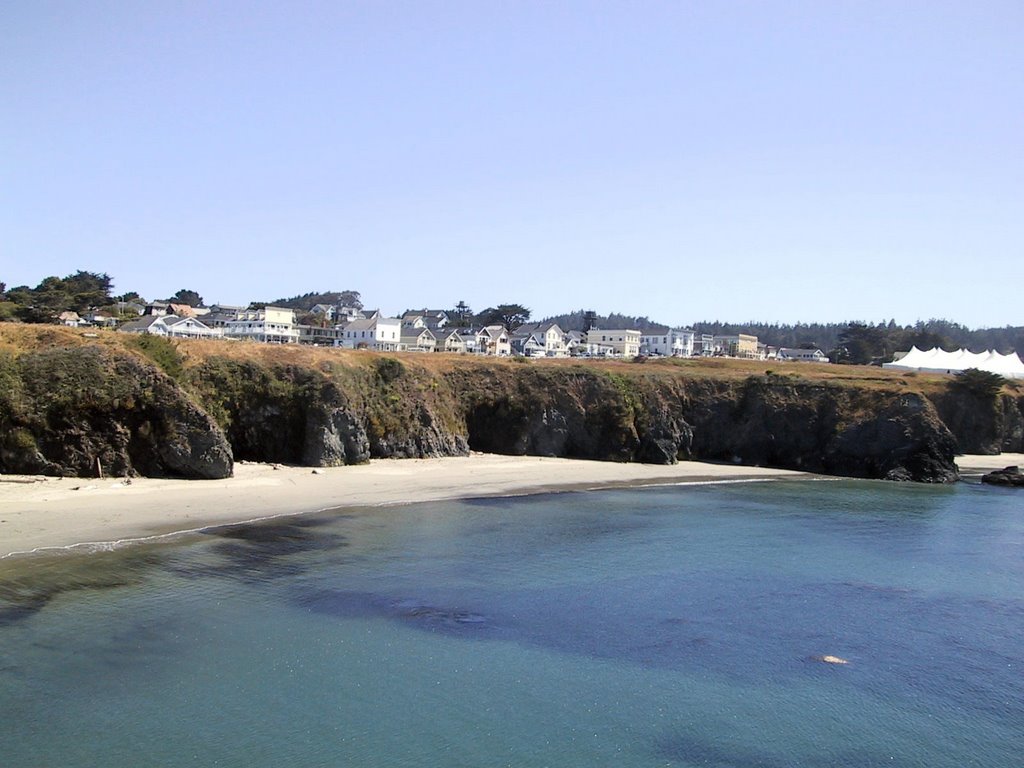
(38, 514)
(979, 465)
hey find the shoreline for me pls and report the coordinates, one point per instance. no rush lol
(975, 465)
(46, 515)
(40, 515)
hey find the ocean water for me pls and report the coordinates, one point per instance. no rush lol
(671, 626)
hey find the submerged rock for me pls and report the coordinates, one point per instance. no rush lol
(1010, 477)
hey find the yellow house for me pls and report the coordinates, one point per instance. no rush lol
(738, 345)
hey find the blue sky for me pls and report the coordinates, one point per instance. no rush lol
(778, 161)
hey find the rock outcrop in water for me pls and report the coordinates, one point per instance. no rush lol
(65, 406)
(1009, 477)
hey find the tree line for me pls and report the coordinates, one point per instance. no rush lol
(850, 342)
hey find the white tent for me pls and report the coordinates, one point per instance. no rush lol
(939, 361)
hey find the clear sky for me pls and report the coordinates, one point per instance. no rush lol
(777, 161)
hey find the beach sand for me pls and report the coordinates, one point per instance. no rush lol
(979, 465)
(40, 514)
(37, 514)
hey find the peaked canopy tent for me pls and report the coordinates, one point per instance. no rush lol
(940, 361)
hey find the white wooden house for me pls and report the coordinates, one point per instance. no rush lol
(670, 342)
(496, 341)
(449, 340)
(539, 340)
(417, 340)
(171, 326)
(383, 334)
(624, 342)
(271, 325)
(802, 355)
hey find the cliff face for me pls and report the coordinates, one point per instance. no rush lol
(61, 409)
(820, 428)
(81, 410)
(392, 408)
(322, 418)
(768, 421)
(985, 425)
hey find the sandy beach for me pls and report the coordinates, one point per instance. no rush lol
(39, 513)
(979, 465)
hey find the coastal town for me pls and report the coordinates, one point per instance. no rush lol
(340, 320)
(426, 331)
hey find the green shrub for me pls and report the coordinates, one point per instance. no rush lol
(159, 350)
(984, 385)
(389, 369)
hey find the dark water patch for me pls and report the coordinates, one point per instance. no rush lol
(749, 631)
(139, 643)
(430, 615)
(451, 618)
(262, 552)
(39, 581)
(340, 603)
(21, 607)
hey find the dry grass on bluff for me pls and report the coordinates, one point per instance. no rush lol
(182, 354)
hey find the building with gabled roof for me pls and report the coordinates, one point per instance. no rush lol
(449, 340)
(539, 340)
(417, 340)
(430, 318)
(495, 340)
(383, 334)
(802, 355)
(172, 326)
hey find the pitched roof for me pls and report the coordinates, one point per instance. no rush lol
(414, 334)
(494, 331)
(142, 323)
(181, 310)
(528, 329)
(172, 320)
(361, 324)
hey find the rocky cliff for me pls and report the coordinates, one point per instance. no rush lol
(985, 425)
(87, 410)
(401, 407)
(187, 409)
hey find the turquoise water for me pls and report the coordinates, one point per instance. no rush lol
(649, 627)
